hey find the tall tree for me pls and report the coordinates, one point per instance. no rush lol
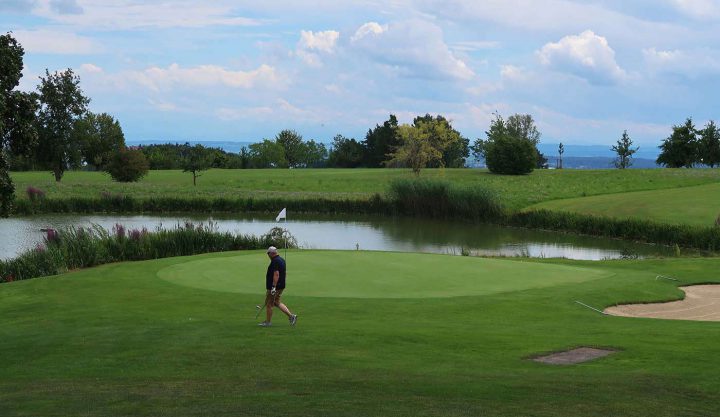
(62, 103)
(681, 148)
(710, 145)
(195, 160)
(381, 141)
(561, 151)
(293, 145)
(314, 154)
(267, 154)
(523, 126)
(17, 115)
(624, 151)
(345, 153)
(99, 137)
(416, 150)
(453, 147)
(506, 149)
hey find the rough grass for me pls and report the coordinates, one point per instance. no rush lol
(117, 340)
(514, 191)
(698, 206)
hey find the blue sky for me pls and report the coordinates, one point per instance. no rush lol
(237, 70)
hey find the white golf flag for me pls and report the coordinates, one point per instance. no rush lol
(282, 215)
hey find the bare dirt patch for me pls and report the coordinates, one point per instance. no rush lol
(701, 303)
(573, 356)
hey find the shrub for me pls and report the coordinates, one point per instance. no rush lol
(128, 165)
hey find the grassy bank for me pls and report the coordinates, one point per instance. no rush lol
(698, 206)
(515, 192)
(386, 337)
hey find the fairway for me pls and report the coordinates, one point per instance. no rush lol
(379, 334)
(699, 205)
(377, 274)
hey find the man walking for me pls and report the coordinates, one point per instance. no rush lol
(275, 284)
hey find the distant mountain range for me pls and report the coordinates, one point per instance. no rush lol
(575, 156)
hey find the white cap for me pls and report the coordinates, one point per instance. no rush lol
(272, 249)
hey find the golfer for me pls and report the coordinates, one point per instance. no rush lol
(275, 284)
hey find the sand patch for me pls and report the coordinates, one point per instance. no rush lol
(701, 303)
(573, 356)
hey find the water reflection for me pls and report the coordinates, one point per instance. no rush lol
(351, 232)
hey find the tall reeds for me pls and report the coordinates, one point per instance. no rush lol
(74, 248)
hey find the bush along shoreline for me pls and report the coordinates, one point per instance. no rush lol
(434, 199)
(74, 248)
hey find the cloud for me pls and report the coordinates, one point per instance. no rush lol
(49, 41)
(164, 106)
(691, 63)
(698, 9)
(320, 41)
(156, 78)
(90, 69)
(368, 29)
(66, 6)
(414, 48)
(471, 46)
(586, 55)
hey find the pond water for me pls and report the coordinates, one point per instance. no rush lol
(354, 232)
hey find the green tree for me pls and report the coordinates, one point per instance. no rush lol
(292, 144)
(561, 151)
(710, 145)
(381, 141)
(62, 103)
(507, 150)
(444, 138)
(523, 126)
(17, 116)
(314, 154)
(267, 154)
(99, 137)
(127, 165)
(345, 153)
(681, 148)
(624, 151)
(195, 160)
(416, 149)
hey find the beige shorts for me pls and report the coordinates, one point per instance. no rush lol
(273, 301)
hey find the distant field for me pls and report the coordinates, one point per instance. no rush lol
(379, 334)
(699, 205)
(514, 191)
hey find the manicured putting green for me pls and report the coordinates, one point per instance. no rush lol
(361, 274)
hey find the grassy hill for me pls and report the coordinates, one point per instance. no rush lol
(514, 191)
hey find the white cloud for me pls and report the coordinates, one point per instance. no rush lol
(513, 73)
(90, 69)
(415, 48)
(156, 78)
(320, 41)
(691, 63)
(698, 9)
(368, 29)
(49, 41)
(586, 55)
(471, 46)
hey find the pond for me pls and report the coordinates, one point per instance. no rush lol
(355, 232)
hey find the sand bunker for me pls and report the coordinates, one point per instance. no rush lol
(702, 303)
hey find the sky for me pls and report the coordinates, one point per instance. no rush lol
(242, 71)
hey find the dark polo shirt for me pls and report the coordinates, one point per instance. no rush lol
(276, 264)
